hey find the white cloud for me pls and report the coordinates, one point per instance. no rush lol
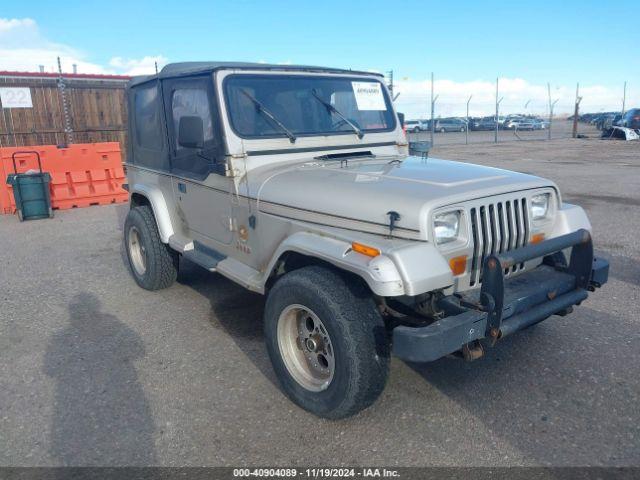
(142, 66)
(8, 24)
(415, 97)
(24, 48)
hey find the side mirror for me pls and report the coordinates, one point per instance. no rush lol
(191, 132)
(401, 118)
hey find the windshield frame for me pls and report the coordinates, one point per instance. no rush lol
(385, 93)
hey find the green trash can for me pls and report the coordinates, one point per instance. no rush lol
(31, 191)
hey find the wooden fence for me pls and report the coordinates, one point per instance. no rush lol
(96, 110)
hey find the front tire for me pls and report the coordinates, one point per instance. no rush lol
(152, 263)
(327, 342)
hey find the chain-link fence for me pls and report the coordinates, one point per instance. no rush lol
(448, 112)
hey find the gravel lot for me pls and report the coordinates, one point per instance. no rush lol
(95, 371)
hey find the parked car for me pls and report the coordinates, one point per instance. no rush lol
(416, 126)
(609, 120)
(631, 119)
(594, 118)
(587, 117)
(540, 124)
(520, 123)
(471, 120)
(295, 182)
(486, 123)
(527, 124)
(450, 125)
(603, 121)
(510, 123)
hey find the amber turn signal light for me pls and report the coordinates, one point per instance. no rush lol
(458, 264)
(537, 238)
(365, 249)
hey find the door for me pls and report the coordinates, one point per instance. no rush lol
(200, 188)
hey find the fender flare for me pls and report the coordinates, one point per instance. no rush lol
(570, 218)
(380, 273)
(159, 207)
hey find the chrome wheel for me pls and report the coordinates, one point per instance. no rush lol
(137, 252)
(305, 347)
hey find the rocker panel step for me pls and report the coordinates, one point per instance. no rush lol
(204, 256)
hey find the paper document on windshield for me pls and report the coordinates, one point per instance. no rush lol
(368, 95)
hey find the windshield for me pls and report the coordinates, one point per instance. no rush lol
(307, 105)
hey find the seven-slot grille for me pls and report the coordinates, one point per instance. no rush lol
(496, 228)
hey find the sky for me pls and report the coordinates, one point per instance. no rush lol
(466, 44)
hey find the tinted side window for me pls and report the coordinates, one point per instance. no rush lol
(147, 107)
(191, 102)
(148, 139)
(192, 97)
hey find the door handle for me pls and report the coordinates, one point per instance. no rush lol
(182, 188)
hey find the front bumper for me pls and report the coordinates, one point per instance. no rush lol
(501, 307)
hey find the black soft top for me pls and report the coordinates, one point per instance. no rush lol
(191, 68)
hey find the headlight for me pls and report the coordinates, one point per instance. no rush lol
(539, 206)
(446, 227)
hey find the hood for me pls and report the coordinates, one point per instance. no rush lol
(358, 194)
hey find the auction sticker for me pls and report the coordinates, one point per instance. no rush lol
(368, 95)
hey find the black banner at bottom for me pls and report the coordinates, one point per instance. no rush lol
(404, 473)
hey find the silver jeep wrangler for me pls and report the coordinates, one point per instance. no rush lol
(296, 182)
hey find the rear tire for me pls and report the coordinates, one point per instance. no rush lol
(327, 342)
(152, 263)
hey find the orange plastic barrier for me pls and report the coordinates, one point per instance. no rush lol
(81, 175)
(7, 203)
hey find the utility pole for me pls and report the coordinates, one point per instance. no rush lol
(624, 97)
(433, 103)
(575, 111)
(156, 65)
(466, 132)
(65, 105)
(551, 105)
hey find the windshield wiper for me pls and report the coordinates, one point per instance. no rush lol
(333, 109)
(261, 108)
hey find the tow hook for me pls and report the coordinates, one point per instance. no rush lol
(472, 351)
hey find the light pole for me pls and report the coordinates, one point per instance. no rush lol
(551, 105)
(466, 132)
(576, 111)
(495, 139)
(433, 103)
